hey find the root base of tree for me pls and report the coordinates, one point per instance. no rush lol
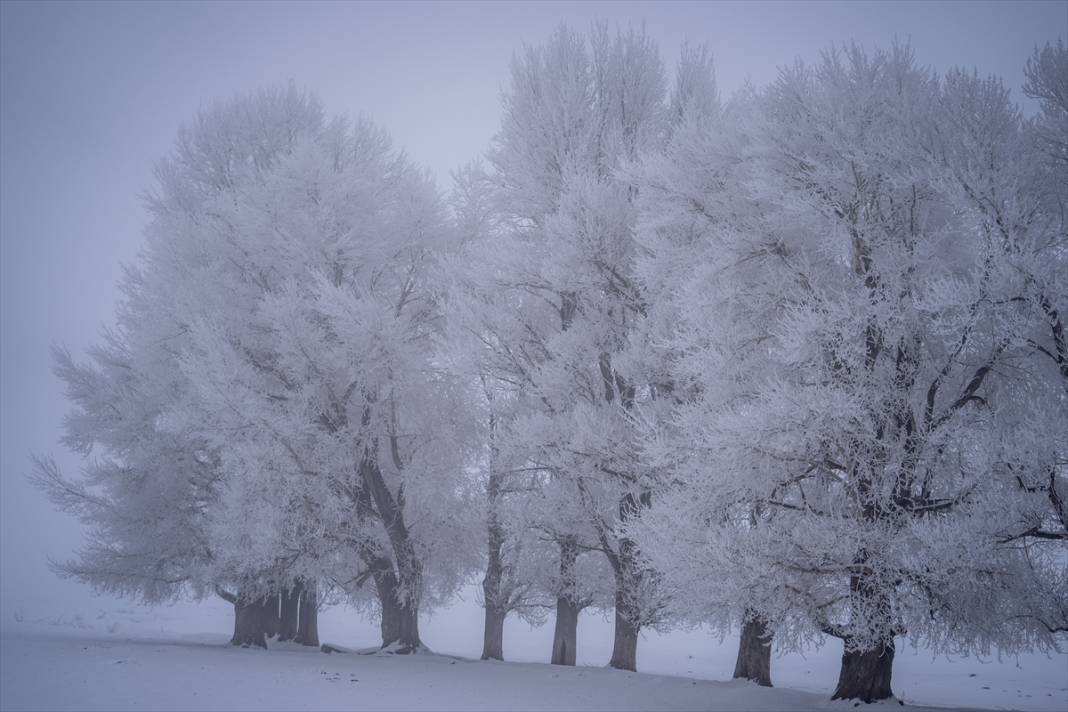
(866, 675)
(754, 653)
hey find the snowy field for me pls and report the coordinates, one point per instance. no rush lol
(124, 657)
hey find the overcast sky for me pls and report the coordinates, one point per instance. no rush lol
(91, 94)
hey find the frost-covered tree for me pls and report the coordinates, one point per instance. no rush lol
(335, 421)
(578, 110)
(501, 592)
(191, 266)
(286, 306)
(855, 365)
(149, 495)
(535, 554)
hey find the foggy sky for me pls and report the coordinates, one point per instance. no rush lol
(91, 94)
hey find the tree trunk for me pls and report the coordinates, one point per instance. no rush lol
(865, 674)
(493, 634)
(493, 638)
(308, 618)
(390, 625)
(400, 619)
(409, 640)
(382, 572)
(409, 570)
(386, 585)
(405, 627)
(754, 652)
(565, 638)
(250, 624)
(629, 577)
(272, 621)
(625, 647)
(287, 628)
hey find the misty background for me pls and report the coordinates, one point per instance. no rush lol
(92, 93)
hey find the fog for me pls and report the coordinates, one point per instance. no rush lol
(92, 93)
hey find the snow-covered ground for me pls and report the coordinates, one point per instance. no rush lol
(55, 673)
(126, 657)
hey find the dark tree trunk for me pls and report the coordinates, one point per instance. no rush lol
(409, 570)
(865, 674)
(493, 634)
(493, 638)
(625, 647)
(250, 624)
(405, 624)
(308, 618)
(565, 638)
(409, 640)
(390, 624)
(754, 652)
(386, 585)
(629, 576)
(272, 620)
(287, 627)
(400, 619)
(381, 570)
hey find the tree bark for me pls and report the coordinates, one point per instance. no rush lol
(493, 638)
(628, 572)
(865, 674)
(251, 621)
(400, 619)
(625, 646)
(287, 628)
(565, 637)
(409, 570)
(272, 620)
(754, 652)
(386, 585)
(493, 634)
(308, 617)
(405, 627)
(382, 572)
(629, 577)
